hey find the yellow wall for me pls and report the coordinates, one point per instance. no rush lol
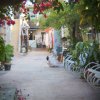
(15, 34)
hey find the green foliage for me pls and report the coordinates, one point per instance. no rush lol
(94, 52)
(53, 20)
(8, 52)
(86, 52)
(80, 50)
(63, 18)
(90, 12)
(2, 49)
(6, 6)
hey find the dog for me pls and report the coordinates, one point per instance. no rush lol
(47, 58)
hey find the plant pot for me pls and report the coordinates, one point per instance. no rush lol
(7, 67)
(1, 67)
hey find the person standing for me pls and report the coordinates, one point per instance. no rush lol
(59, 53)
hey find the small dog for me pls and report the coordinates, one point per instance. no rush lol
(47, 58)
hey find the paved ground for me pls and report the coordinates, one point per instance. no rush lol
(38, 81)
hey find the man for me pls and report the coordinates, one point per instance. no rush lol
(59, 53)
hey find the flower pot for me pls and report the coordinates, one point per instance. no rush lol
(7, 67)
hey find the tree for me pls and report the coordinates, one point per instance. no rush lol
(88, 9)
(90, 13)
(53, 20)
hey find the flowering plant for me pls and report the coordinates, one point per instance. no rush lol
(7, 7)
(39, 6)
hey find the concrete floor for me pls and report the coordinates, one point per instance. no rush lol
(38, 81)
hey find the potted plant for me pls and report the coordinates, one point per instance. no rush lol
(2, 54)
(86, 52)
(8, 56)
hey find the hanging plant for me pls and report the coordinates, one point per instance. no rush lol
(7, 21)
(39, 6)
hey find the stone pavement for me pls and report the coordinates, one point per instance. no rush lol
(32, 75)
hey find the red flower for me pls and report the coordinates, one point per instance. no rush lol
(48, 4)
(21, 98)
(9, 22)
(35, 11)
(42, 5)
(12, 22)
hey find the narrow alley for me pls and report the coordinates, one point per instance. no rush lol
(38, 81)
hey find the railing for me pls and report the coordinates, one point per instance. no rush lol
(92, 74)
(68, 62)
